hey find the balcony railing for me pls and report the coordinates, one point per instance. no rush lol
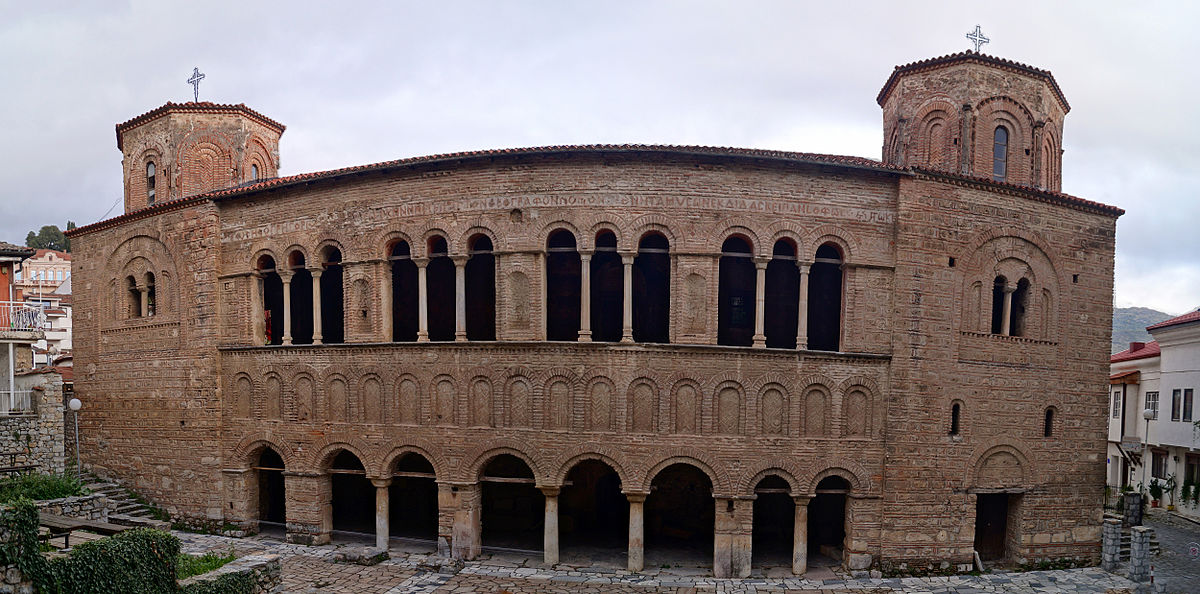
(15, 402)
(20, 316)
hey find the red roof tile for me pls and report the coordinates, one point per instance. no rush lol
(1193, 316)
(1045, 195)
(8, 249)
(194, 107)
(61, 255)
(970, 56)
(1150, 350)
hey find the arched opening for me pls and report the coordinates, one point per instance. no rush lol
(302, 299)
(150, 183)
(827, 522)
(593, 515)
(562, 286)
(679, 518)
(151, 294)
(333, 304)
(782, 307)
(825, 300)
(1048, 423)
(413, 499)
(271, 491)
(253, 171)
(481, 289)
(272, 301)
(353, 495)
(998, 287)
(1000, 153)
(735, 293)
(405, 293)
(607, 289)
(997, 525)
(133, 298)
(1020, 304)
(773, 534)
(513, 508)
(955, 418)
(652, 289)
(440, 292)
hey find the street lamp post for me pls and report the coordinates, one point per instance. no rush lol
(1146, 457)
(75, 405)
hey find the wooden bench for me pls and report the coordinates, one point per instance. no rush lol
(63, 526)
(13, 468)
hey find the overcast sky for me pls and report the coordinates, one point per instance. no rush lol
(358, 83)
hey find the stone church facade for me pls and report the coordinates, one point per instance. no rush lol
(758, 355)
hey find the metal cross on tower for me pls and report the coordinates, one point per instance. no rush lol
(977, 37)
(195, 82)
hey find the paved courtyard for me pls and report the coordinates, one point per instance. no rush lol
(313, 569)
(1175, 568)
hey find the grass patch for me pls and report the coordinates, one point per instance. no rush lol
(39, 487)
(190, 565)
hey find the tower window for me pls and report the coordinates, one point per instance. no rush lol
(1048, 423)
(955, 418)
(1000, 154)
(150, 183)
(254, 171)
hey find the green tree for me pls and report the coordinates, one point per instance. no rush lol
(50, 237)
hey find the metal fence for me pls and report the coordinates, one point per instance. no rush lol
(15, 402)
(21, 316)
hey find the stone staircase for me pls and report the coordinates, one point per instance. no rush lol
(1127, 538)
(123, 507)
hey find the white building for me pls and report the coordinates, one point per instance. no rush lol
(1162, 376)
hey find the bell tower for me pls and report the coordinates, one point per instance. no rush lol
(976, 115)
(184, 149)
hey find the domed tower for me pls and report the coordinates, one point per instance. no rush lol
(184, 149)
(976, 115)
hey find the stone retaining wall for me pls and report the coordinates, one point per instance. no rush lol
(264, 568)
(88, 507)
(37, 437)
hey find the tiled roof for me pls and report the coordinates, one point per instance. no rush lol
(1045, 195)
(1149, 350)
(8, 249)
(970, 56)
(1193, 316)
(194, 107)
(60, 255)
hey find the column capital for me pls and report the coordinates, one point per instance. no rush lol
(459, 260)
(550, 491)
(801, 499)
(286, 276)
(636, 496)
(420, 262)
(804, 267)
(381, 483)
(316, 271)
(627, 257)
(1010, 288)
(761, 262)
(586, 253)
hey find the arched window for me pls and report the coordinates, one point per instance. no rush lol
(1048, 423)
(607, 277)
(562, 286)
(151, 296)
(150, 183)
(301, 293)
(404, 293)
(1020, 303)
(955, 418)
(272, 301)
(998, 287)
(440, 295)
(1000, 153)
(253, 171)
(652, 289)
(333, 323)
(481, 289)
(133, 296)
(782, 307)
(825, 300)
(735, 293)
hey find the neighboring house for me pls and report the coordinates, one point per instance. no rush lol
(57, 307)
(1161, 376)
(44, 272)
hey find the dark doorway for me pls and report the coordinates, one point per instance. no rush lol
(272, 305)
(679, 517)
(353, 497)
(333, 323)
(413, 499)
(514, 511)
(405, 293)
(652, 290)
(481, 290)
(592, 511)
(782, 307)
(825, 300)
(439, 280)
(774, 523)
(827, 518)
(735, 294)
(991, 525)
(562, 287)
(271, 494)
(607, 291)
(302, 300)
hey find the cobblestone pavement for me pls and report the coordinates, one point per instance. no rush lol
(1174, 569)
(313, 569)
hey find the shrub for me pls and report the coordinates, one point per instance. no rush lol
(39, 487)
(190, 565)
(140, 561)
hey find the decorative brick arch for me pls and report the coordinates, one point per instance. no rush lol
(324, 450)
(135, 256)
(477, 458)
(589, 451)
(805, 382)
(287, 252)
(717, 473)
(855, 474)
(831, 234)
(428, 234)
(861, 381)
(785, 469)
(382, 242)
(784, 380)
(716, 240)
(790, 231)
(589, 241)
(1002, 446)
(425, 449)
(940, 107)
(463, 244)
(248, 448)
(1015, 254)
(258, 253)
(543, 235)
(327, 243)
(644, 224)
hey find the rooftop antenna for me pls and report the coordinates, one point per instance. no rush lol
(975, 36)
(197, 77)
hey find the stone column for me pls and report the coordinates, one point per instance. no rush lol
(1110, 552)
(550, 534)
(800, 537)
(422, 301)
(257, 323)
(627, 318)
(460, 298)
(143, 300)
(307, 507)
(802, 316)
(1006, 317)
(723, 531)
(382, 521)
(1139, 554)
(286, 277)
(636, 552)
(463, 503)
(585, 296)
(760, 302)
(316, 276)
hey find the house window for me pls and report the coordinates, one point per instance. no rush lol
(1000, 153)
(1116, 407)
(1176, 404)
(1158, 466)
(1152, 403)
(150, 183)
(1192, 471)
(1187, 405)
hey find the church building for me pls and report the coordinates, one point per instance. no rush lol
(754, 358)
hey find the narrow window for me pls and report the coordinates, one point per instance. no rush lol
(998, 304)
(562, 286)
(1187, 405)
(134, 297)
(1020, 304)
(301, 292)
(150, 183)
(1176, 404)
(440, 291)
(1116, 404)
(825, 300)
(735, 293)
(481, 289)
(1048, 424)
(272, 304)
(652, 290)
(151, 297)
(253, 171)
(404, 293)
(1000, 154)
(782, 297)
(1152, 404)
(607, 278)
(333, 302)
(955, 414)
